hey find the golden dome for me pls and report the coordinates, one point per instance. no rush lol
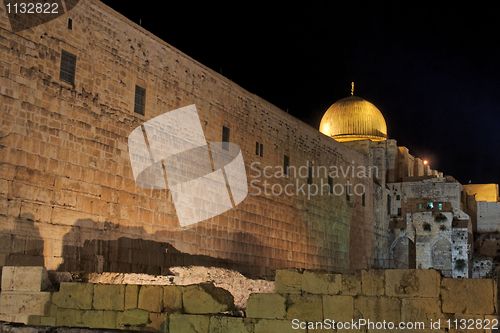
(353, 118)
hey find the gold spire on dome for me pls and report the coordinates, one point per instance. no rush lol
(352, 119)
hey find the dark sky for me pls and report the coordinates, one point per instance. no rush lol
(433, 70)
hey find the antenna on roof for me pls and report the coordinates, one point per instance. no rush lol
(352, 88)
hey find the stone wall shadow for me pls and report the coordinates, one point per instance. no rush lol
(106, 247)
(26, 243)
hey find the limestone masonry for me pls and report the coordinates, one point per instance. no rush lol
(70, 96)
(397, 296)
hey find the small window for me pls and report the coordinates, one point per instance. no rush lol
(363, 199)
(420, 206)
(347, 193)
(286, 164)
(430, 205)
(309, 173)
(70, 24)
(68, 67)
(398, 197)
(440, 206)
(140, 100)
(330, 184)
(427, 227)
(225, 137)
(388, 204)
(259, 149)
(399, 211)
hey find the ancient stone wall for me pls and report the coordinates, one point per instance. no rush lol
(68, 199)
(488, 217)
(407, 297)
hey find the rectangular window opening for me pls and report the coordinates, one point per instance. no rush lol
(140, 100)
(225, 137)
(286, 164)
(68, 67)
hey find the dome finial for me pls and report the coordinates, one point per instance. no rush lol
(352, 88)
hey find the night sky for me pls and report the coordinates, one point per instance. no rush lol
(433, 71)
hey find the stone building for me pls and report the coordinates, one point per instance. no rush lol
(73, 89)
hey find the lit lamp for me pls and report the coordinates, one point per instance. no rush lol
(426, 162)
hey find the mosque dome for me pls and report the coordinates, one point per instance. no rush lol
(353, 118)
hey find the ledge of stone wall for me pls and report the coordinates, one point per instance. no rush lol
(306, 296)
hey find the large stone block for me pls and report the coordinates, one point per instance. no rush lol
(109, 297)
(412, 283)
(276, 325)
(132, 318)
(206, 298)
(268, 306)
(131, 296)
(468, 296)
(321, 283)
(150, 298)
(372, 282)
(69, 318)
(189, 323)
(73, 295)
(99, 319)
(172, 298)
(228, 324)
(305, 307)
(351, 284)
(421, 309)
(28, 278)
(16, 318)
(288, 281)
(47, 321)
(338, 307)
(29, 303)
(377, 308)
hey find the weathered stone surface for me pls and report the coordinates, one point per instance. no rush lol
(377, 308)
(206, 298)
(73, 295)
(29, 303)
(69, 318)
(421, 309)
(372, 282)
(351, 284)
(468, 296)
(29, 278)
(150, 298)
(288, 281)
(131, 318)
(172, 298)
(321, 283)
(109, 297)
(305, 307)
(268, 306)
(131, 296)
(412, 282)
(158, 322)
(275, 325)
(47, 321)
(338, 307)
(188, 323)
(15, 318)
(99, 319)
(220, 324)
